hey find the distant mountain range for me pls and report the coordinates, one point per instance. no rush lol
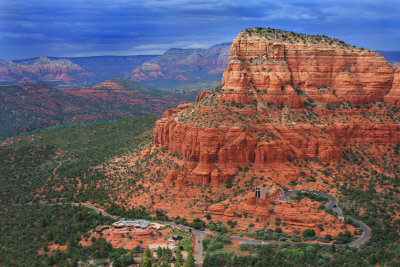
(28, 107)
(68, 72)
(179, 67)
(175, 69)
(38, 101)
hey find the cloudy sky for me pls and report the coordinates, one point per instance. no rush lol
(30, 28)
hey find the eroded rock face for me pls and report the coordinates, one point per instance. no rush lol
(239, 124)
(276, 63)
(184, 64)
(146, 71)
(44, 69)
(214, 153)
(393, 97)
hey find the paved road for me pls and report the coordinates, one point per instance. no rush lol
(333, 205)
(200, 235)
(96, 210)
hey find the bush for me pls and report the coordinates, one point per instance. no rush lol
(308, 233)
(198, 224)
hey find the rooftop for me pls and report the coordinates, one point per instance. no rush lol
(141, 223)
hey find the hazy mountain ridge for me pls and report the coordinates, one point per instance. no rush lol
(28, 107)
(177, 68)
(69, 71)
(40, 69)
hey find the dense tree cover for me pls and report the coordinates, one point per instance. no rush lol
(214, 243)
(59, 165)
(220, 228)
(27, 231)
(140, 213)
(164, 257)
(272, 255)
(189, 261)
(59, 162)
(27, 107)
(299, 195)
(196, 223)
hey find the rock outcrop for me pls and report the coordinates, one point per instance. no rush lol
(393, 97)
(285, 96)
(42, 69)
(66, 72)
(281, 64)
(184, 64)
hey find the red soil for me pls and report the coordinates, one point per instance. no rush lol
(287, 111)
(129, 239)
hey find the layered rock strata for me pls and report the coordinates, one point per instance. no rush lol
(43, 68)
(393, 97)
(270, 75)
(281, 64)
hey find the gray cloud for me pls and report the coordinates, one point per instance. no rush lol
(93, 27)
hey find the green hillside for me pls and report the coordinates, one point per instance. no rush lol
(66, 157)
(28, 107)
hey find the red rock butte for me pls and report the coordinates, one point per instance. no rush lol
(284, 96)
(277, 63)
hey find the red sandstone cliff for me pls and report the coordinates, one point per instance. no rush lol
(238, 124)
(276, 62)
(393, 97)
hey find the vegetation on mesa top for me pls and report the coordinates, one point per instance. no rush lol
(276, 35)
(256, 112)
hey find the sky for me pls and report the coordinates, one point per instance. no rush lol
(30, 28)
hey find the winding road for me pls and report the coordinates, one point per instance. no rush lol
(200, 235)
(333, 205)
(102, 212)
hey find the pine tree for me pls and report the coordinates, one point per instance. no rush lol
(235, 261)
(189, 261)
(179, 258)
(146, 262)
(147, 253)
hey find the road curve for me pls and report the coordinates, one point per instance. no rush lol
(102, 212)
(333, 205)
(200, 235)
